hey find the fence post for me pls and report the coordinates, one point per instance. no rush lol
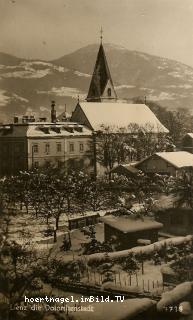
(148, 285)
(137, 279)
(142, 264)
(119, 278)
(143, 285)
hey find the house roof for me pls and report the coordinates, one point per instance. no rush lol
(178, 159)
(45, 129)
(131, 225)
(116, 114)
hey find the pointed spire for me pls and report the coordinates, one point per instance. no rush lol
(101, 86)
(101, 36)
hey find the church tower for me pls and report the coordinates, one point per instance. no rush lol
(101, 86)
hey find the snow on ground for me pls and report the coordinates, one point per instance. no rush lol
(29, 69)
(115, 310)
(27, 74)
(138, 250)
(175, 74)
(176, 295)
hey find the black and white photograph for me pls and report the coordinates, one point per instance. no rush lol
(96, 160)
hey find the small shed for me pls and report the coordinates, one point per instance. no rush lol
(80, 221)
(166, 162)
(127, 170)
(130, 232)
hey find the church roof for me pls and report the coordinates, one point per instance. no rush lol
(101, 76)
(116, 114)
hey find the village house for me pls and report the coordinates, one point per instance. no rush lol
(129, 232)
(170, 163)
(102, 109)
(102, 106)
(27, 144)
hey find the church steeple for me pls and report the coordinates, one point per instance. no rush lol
(101, 86)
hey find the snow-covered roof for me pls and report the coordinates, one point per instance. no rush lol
(45, 129)
(178, 159)
(130, 225)
(118, 114)
(173, 297)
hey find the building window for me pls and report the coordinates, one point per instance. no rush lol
(71, 147)
(35, 148)
(59, 147)
(109, 92)
(81, 147)
(47, 148)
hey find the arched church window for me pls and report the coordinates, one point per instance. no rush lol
(109, 92)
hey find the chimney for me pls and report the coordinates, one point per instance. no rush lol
(53, 112)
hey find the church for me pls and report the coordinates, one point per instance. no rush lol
(72, 143)
(102, 107)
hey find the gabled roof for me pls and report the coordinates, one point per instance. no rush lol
(101, 76)
(179, 159)
(118, 115)
(131, 225)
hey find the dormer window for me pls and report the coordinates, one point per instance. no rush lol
(109, 92)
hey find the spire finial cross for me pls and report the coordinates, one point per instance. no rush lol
(101, 36)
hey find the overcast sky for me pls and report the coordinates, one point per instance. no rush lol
(48, 29)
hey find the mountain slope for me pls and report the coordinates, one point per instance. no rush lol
(30, 85)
